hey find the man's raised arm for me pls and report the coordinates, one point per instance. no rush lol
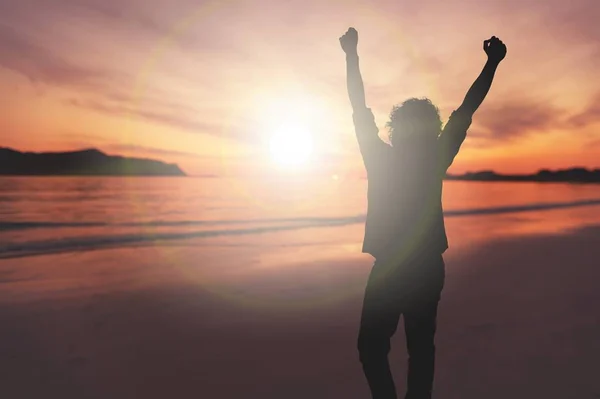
(354, 82)
(367, 133)
(496, 51)
(455, 130)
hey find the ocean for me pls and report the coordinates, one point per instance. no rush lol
(43, 215)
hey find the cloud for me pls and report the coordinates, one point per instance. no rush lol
(477, 139)
(22, 55)
(153, 113)
(511, 120)
(169, 114)
(590, 115)
(132, 13)
(577, 19)
(107, 85)
(595, 142)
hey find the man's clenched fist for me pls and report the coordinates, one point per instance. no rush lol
(495, 49)
(349, 41)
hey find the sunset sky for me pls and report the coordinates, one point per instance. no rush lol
(202, 83)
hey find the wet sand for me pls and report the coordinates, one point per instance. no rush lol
(518, 319)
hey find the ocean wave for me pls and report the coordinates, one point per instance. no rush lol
(87, 243)
(20, 225)
(72, 244)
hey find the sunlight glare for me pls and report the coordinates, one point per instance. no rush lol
(290, 119)
(291, 146)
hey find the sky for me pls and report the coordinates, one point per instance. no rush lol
(205, 83)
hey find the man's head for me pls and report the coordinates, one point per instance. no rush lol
(416, 119)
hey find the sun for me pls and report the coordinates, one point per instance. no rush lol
(289, 120)
(291, 146)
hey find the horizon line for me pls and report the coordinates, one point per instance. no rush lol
(595, 169)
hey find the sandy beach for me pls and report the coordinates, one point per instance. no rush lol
(518, 319)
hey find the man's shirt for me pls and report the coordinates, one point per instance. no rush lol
(404, 212)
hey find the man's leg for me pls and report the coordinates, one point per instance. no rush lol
(420, 326)
(379, 321)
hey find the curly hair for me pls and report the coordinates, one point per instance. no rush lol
(414, 116)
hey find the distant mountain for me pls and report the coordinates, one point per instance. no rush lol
(85, 162)
(574, 175)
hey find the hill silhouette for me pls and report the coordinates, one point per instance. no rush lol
(87, 162)
(573, 175)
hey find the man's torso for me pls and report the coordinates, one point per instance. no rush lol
(404, 214)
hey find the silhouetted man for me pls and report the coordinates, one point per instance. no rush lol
(404, 229)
